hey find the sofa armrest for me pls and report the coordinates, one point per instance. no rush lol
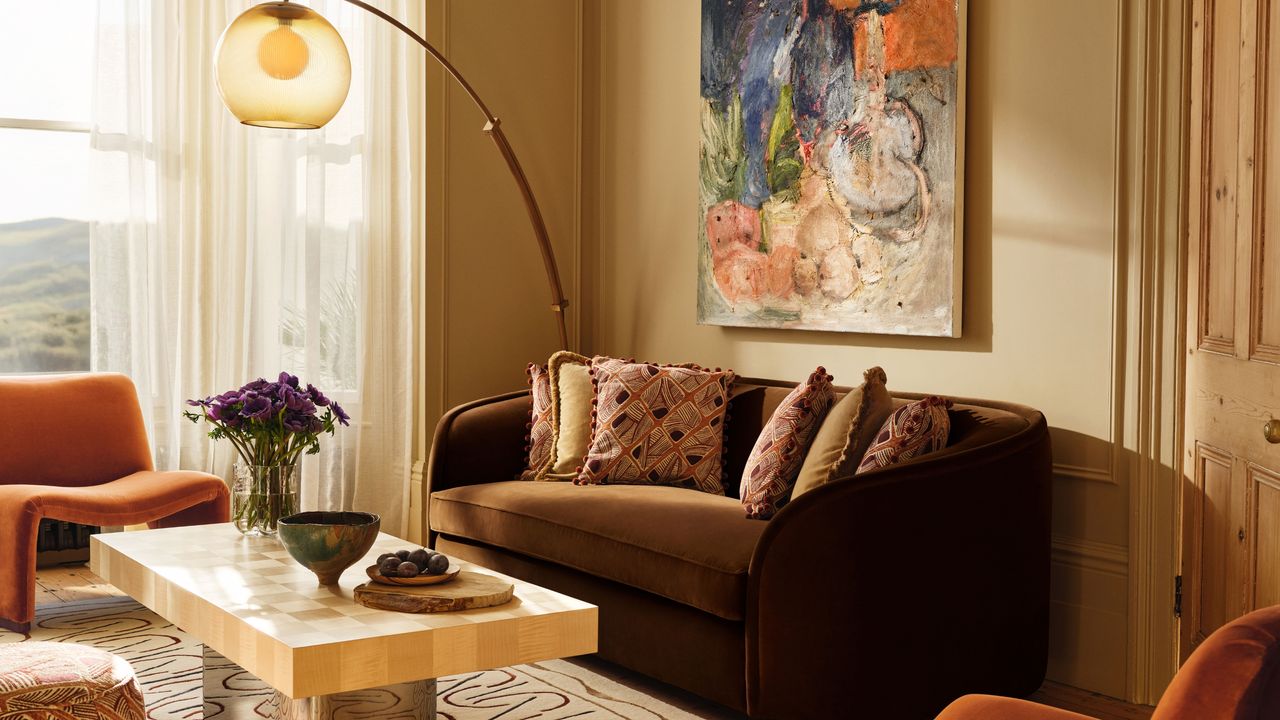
(479, 442)
(907, 587)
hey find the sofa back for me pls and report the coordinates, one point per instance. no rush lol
(70, 430)
(752, 401)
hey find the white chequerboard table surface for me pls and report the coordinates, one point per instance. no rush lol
(235, 592)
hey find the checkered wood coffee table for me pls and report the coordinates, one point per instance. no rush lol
(252, 605)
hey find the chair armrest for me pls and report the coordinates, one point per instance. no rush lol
(479, 442)
(989, 707)
(906, 587)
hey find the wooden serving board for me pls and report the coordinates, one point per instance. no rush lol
(470, 590)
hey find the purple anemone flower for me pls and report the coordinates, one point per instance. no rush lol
(223, 412)
(230, 396)
(297, 402)
(317, 397)
(256, 408)
(277, 419)
(343, 417)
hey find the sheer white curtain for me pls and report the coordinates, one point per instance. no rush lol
(221, 253)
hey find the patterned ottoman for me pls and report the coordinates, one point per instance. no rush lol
(63, 681)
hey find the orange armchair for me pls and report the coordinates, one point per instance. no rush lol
(1234, 675)
(73, 447)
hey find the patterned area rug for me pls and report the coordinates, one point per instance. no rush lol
(168, 664)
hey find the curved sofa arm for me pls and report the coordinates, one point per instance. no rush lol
(906, 587)
(479, 442)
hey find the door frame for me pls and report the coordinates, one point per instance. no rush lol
(1150, 356)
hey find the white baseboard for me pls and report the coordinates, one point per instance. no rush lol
(1088, 614)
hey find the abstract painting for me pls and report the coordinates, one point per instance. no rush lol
(832, 165)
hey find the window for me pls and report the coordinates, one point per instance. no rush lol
(46, 89)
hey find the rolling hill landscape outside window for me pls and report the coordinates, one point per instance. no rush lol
(44, 204)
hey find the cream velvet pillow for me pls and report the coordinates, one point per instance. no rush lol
(850, 427)
(571, 393)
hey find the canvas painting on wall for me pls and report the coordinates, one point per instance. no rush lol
(831, 165)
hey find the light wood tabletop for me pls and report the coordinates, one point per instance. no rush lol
(249, 601)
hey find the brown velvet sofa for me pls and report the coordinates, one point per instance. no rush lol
(74, 447)
(882, 596)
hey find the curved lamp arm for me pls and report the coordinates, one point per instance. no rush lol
(493, 128)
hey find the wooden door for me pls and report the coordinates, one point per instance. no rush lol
(1231, 472)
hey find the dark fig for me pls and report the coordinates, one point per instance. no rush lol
(383, 557)
(390, 566)
(407, 570)
(419, 557)
(438, 564)
(402, 554)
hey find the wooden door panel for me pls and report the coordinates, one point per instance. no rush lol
(1264, 516)
(1211, 543)
(1231, 496)
(1220, 142)
(1264, 295)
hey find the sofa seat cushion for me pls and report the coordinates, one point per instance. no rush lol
(687, 546)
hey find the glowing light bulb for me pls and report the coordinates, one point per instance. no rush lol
(283, 54)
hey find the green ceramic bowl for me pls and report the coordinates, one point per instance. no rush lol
(326, 543)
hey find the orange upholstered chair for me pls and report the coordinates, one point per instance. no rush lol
(1234, 675)
(73, 447)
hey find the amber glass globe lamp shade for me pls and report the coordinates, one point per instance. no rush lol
(282, 65)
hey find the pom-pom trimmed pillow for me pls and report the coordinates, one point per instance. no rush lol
(912, 430)
(775, 460)
(657, 425)
(571, 392)
(843, 438)
(541, 436)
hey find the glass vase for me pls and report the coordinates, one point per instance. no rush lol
(263, 494)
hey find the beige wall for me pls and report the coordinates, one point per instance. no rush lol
(486, 304)
(1040, 237)
(601, 101)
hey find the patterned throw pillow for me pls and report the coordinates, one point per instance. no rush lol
(657, 425)
(541, 436)
(843, 438)
(912, 430)
(775, 460)
(571, 398)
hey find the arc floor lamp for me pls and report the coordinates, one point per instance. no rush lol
(282, 65)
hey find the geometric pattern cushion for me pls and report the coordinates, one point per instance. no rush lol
(771, 469)
(64, 681)
(912, 430)
(657, 425)
(541, 435)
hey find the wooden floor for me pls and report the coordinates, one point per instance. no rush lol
(1088, 703)
(66, 584)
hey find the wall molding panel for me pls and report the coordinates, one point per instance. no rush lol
(1078, 472)
(1091, 556)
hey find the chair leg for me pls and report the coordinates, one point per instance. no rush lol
(20, 522)
(18, 627)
